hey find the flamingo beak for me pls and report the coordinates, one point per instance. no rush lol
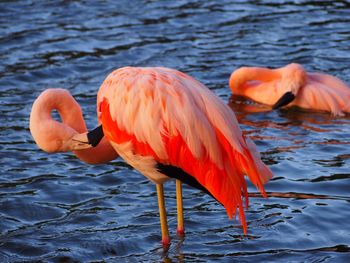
(86, 140)
(95, 136)
(287, 98)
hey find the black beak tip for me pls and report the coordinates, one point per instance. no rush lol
(275, 107)
(287, 98)
(95, 136)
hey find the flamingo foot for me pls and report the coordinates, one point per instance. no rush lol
(166, 242)
(180, 232)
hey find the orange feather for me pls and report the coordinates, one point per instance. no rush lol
(228, 189)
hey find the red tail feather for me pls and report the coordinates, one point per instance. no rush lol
(226, 184)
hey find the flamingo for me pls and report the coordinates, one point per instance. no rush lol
(291, 85)
(53, 136)
(166, 125)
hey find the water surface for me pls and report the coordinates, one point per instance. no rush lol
(53, 208)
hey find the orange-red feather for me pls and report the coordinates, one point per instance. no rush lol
(228, 189)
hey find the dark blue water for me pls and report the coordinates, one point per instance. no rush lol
(53, 208)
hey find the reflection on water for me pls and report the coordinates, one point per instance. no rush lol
(55, 208)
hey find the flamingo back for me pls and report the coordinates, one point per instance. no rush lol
(168, 116)
(326, 93)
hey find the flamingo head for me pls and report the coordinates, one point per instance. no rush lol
(67, 134)
(293, 77)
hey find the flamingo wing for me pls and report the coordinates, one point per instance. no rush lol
(162, 116)
(324, 92)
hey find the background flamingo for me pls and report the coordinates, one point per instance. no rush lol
(292, 86)
(166, 125)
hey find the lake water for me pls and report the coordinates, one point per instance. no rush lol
(54, 208)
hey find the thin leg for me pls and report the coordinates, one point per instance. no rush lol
(162, 215)
(180, 214)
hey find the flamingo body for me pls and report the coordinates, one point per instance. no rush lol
(160, 115)
(314, 91)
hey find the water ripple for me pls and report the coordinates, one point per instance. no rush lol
(53, 208)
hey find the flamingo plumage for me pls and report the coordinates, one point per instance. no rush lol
(168, 125)
(291, 85)
(53, 136)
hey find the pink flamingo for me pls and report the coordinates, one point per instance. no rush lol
(166, 125)
(292, 86)
(53, 136)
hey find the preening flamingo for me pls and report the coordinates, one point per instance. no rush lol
(53, 136)
(292, 86)
(166, 125)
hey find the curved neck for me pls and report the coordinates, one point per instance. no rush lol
(240, 77)
(52, 136)
(293, 77)
(48, 133)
